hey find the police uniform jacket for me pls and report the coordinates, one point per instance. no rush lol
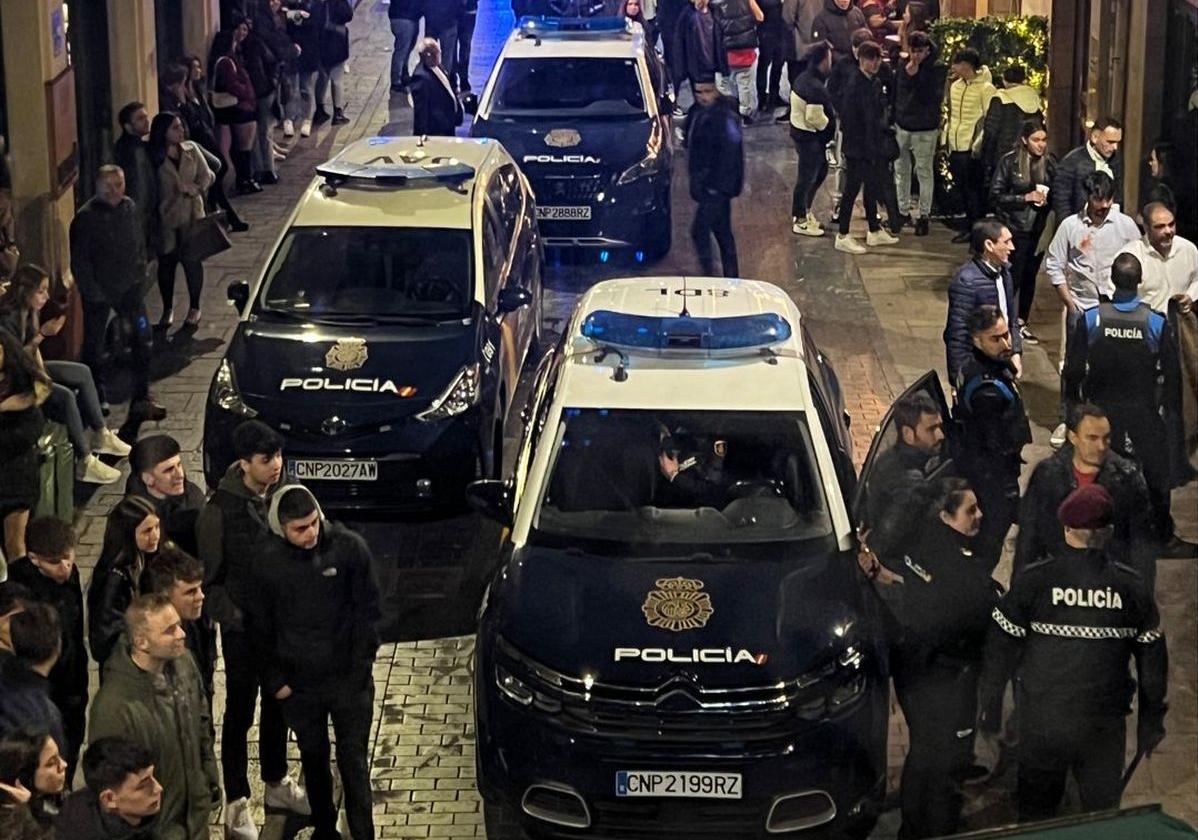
(899, 472)
(1066, 629)
(991, 420)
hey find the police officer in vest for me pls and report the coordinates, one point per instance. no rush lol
(1116, 359)
(991, 428)
(1067, 628)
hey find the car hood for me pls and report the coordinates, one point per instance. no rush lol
(550, 146)
(298, 372)
(745, 621)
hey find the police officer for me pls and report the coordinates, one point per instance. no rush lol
(948, 598)
(696, 472)
(992, 427)
(1070, 623)
(1114, 360)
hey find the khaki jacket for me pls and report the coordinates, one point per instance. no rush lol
(176, 208)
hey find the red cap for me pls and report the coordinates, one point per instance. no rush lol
(1088, 508)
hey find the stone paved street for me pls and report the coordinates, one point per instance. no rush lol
(878, 317)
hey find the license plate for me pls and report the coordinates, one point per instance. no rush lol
(564, 214)
(320, 470)
(678, 784)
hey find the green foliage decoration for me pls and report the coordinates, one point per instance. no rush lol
(1001, 42)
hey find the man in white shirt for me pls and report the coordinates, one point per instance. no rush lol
(1170, 262)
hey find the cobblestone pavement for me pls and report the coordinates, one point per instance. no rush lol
(878, 317)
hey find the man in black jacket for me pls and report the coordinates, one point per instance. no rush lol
(132, 155)
(314, 613)
(441, 22)
(918, 95)
(836, 25)
(24, 681)
(122, 798)
(699, 45)
(436, 111)
(179, 577)
(158, 475)
(716, 164)
(1099, 154)
(50, 574)
(108, 261)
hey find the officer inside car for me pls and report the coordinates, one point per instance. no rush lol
(993, 427)
(1067, 627)
(1117, 359)
(695, 472)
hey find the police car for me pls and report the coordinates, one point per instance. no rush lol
(675, 641)
(582, 106)
(386, 334)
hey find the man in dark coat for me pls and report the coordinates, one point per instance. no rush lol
(716, 164)
(441, 22)
(699, 43)
(1100, 153)
(132, 154)
(24, 681)
(158, 475)
(122, 798)
(436, 111)
(836, 24)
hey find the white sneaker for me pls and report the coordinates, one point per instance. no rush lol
(880, 237)
(306, 128)
(804, 228)
(288, 128)
(287, 795)
(1057, 440)
(849, 245)
(91, 470)
(813, 223)
(239, 825)
(105, 442)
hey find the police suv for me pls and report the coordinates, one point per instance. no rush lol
(675, 642)
(581, 104)
(386, 334)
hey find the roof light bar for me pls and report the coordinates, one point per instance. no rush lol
(544, 26)
(434, 169)
(653, 332)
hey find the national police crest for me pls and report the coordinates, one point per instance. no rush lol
(347, 354)
(677, 604)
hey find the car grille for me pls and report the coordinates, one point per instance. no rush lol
(564, 189)
(616, 818)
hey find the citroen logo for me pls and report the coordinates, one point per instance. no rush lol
(333, 426)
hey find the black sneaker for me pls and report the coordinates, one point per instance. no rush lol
(921, 227)
(961, 238)
(747, 119)
(339, 117)
(321, 117)
(1178, 549)
(784, 117)
(146, 410)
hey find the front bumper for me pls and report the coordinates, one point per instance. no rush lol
(622, 216)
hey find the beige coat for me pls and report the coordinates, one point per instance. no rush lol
(176, 208)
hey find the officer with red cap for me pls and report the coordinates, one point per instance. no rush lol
(1066, 629)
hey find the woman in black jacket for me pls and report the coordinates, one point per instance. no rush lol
(23, 388)
(133, 535)
(1019, 194)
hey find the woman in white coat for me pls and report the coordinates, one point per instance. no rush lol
(183, 178)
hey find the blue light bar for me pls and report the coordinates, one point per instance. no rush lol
(652, 332)
(544, 25)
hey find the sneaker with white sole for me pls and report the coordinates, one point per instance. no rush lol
(288, 128)
(803, 227)
(239, 824)
(813, 223)
(287, 795)
(306, 128)
(1057, 440)
(849, 245)
(105, 442)
(91, 470)
(876, 238)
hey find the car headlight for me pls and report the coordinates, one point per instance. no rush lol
(512, 688)
(463, 392)
(850, 677)
(650, 164)
(224, 393)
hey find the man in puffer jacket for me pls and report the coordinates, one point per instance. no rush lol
(738, 21)
(836, 24)
(969, 97)
(1014, 104)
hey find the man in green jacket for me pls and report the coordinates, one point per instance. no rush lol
(152, 694)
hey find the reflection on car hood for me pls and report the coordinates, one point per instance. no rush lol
(557, 146)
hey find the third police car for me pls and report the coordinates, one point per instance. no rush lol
(675, 642)
(582, 106)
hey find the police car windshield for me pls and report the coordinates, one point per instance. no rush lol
(371, 272)
(682, 477)
(582, 87)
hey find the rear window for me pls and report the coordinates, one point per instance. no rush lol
(568, 87)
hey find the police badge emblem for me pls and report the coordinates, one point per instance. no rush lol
(563, 138)
(677, 604)
(347, 354)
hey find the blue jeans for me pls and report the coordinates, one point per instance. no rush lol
(404, 31)
(75, 403)
(302, 96)
(920, 146)
(744, 81)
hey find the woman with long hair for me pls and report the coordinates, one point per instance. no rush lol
(1158, 186)
(1019, 194)
(183, 178)
(133, 536)
(23, 388)
(31, 758)
(74, 400)
(235, 104)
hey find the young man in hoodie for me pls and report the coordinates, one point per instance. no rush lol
(812, 125)
(227, 533)
(314, 611)
(919, 92)
(152, 694)
(1013, 105)
(969, 97)
(158, 475)
(122, 798)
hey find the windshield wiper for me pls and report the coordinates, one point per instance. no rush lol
(341, 319)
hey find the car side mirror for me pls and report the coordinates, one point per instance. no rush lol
(470, 103)
(513, 298)
(492, 498)
(239, 295)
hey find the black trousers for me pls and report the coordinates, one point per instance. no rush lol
(813, 169)
(192, 271)
(135, 326)
(1050, 749)
(461, 66)
(966, 171)
(770, 58)
(350, 707)
(997, 490)
(714, 218)
(872, 173)
(1139, 433)
(1025, 265)
(939, 703)
(243, 682)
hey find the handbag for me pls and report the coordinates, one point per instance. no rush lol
(219, 98)
(204, 238)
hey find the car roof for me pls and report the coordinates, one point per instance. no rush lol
(748, 380)
(568, 44)
(424, 202)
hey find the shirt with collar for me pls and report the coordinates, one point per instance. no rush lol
(1176, 273)
(995, 274)
(1081, 255)
(1101, 164)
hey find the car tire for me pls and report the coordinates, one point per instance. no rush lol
(500, 823)
(657, 245)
